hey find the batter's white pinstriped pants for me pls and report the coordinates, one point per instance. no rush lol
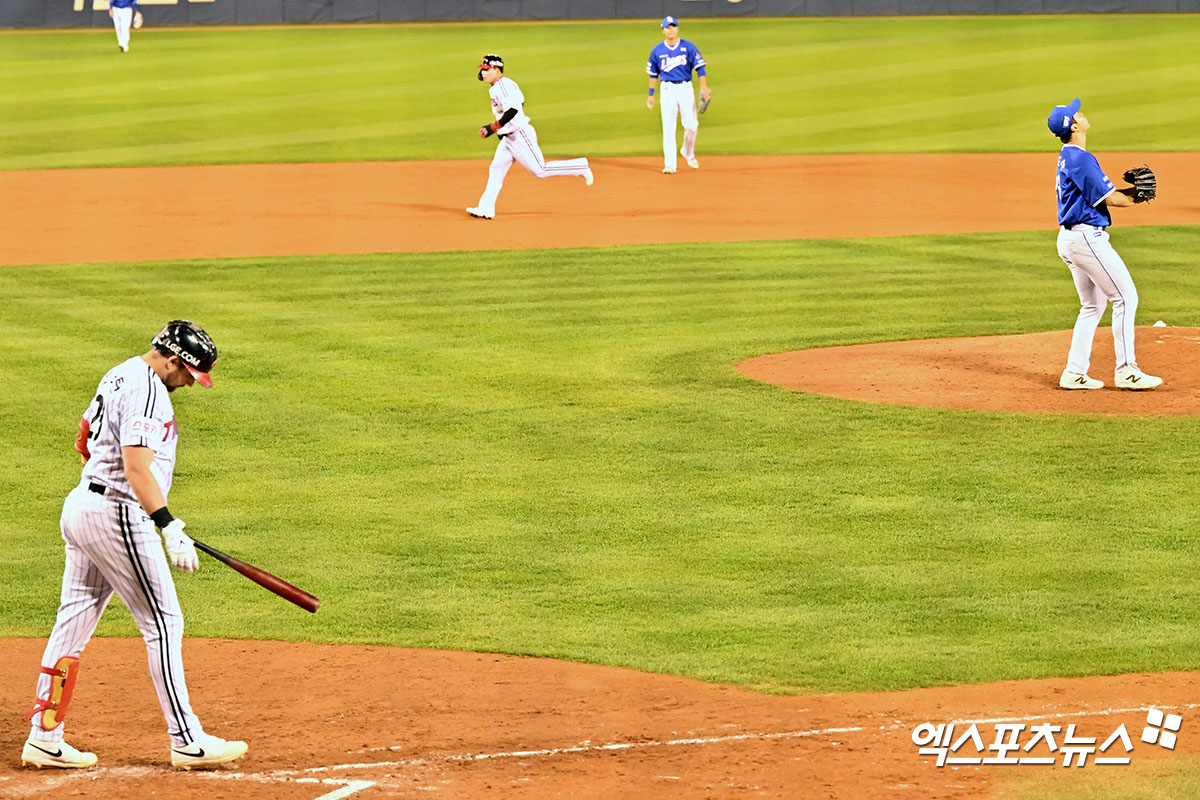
(111, 547)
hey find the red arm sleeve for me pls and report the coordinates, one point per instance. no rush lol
(81, 439)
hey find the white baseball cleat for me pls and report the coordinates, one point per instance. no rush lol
(588, 178)
(55, 754)
(207, 751)
(480, 214)
(1130, 377)
(668, 171)
(691, 162)
(1077, 380)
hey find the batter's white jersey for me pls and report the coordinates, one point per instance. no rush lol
(132, 408)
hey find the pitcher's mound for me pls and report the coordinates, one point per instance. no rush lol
(992, 373)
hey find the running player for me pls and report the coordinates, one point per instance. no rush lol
(1084, 194)
(127, 438)
(672, 61)
(518, 140)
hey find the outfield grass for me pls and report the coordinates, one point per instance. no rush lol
(551, 454)
(204, 95)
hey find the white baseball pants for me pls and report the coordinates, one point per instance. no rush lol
(1100, 277)
(521, 146)
(113, 547)
(122, 18)
(677, 99)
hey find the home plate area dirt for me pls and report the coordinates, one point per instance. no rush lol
(335, 721)
(326, 722)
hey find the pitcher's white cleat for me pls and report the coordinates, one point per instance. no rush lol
(1130, 377)
(691, 162)
(480, 214)
(588, 178)
(1077, 380)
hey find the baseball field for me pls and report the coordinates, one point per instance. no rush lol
(568, 541)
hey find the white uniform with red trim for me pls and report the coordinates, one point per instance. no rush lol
(518, 142)
(112, 545)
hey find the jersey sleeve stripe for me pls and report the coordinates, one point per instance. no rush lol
(149, 391)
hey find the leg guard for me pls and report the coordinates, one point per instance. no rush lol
(62, 685)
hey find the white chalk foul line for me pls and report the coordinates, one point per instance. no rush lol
(617, 746)
(586, 748)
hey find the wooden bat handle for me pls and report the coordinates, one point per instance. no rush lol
(264, 579)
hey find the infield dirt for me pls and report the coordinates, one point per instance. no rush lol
(66, 216)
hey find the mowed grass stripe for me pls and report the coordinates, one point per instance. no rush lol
(801, 100)
(892, 122)
(796, 85)
(550, 453)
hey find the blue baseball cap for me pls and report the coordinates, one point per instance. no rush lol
(668, 20)
(1062, 116)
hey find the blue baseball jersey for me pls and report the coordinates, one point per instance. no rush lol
(675, 63)
(124, 4)
(1081, 187)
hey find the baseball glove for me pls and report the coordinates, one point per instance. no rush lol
(705, 99)
(1144, 182)
(137, 19)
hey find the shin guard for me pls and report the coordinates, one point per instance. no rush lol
(62, 685)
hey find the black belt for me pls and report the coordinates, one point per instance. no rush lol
(676, 81)
(98, 488)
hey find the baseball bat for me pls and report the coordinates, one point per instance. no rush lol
(263, 578)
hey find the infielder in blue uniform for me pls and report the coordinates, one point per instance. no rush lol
(672, 62)
(1084, 195)
(124, 14)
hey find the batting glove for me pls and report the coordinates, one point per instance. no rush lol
(180, 548)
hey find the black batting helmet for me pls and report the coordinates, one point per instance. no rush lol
(490, 60)
(194, 347)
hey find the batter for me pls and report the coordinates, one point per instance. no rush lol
(518, 140)
(127, 438)
(672, 61)
(1084, 194)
